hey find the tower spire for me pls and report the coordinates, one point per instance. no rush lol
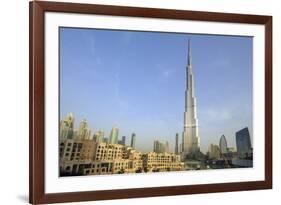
(189, 53)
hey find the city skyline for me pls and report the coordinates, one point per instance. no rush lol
(124, 108)
(100, 137)
(82, 154)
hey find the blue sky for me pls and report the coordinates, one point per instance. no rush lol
(136, 81)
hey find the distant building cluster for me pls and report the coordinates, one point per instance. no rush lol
(222, 156)
(160, 147)
(243, 145)
(83, 154)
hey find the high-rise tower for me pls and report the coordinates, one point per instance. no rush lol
(160, 147)
(191, 140)
(113, 137)
(67, 127)
(177, 144)
(243, 143)
(223, 145)
(84, 131)
(99, 136)
(133, 140)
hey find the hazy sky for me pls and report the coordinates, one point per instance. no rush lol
(136, 81)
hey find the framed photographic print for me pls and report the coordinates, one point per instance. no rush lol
(139, 102)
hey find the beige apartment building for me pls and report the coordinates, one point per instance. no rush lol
(88, 157)
(154, 162)
(77, 150)
(135, 157)
(75, 154)
(105, 151)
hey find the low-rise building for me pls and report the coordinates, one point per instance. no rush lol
(135, 157)
(87, 157)
(154, 162)
(105, 151)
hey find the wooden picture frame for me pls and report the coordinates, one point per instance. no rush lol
(37, 10)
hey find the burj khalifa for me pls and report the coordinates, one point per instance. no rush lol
(190, 137)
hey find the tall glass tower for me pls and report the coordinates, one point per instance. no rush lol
(113, 137)
(67, 127)
(177, 144)
(133, 140)
(191, 140)
(223, 145)
(84, 130)
(243, 142)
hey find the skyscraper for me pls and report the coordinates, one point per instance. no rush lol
(99, 136)
(133, 140)
(177, 144)
(223, 145)
(213, 151)
(156, 146)
(67, 127)
(122, 141)
(160, 147)
(167, 146)
(105, 140)
(191, 140)
(243, 142)
(113, 137)
(84, 131)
